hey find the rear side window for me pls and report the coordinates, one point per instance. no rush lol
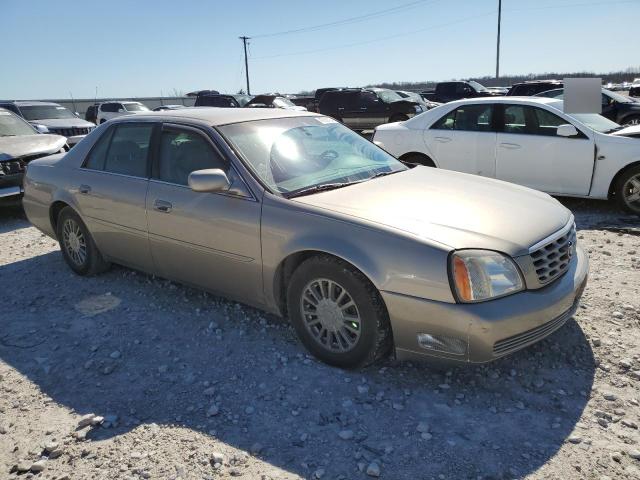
(184, 151)
(468, 118)
(123, 149)
(529, 120)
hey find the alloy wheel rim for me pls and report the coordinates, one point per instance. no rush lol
(74, 242)
(631, 192)
(330, 315)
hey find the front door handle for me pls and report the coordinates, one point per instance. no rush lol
(84, 189)
(511, 146)
(162, 206)
(443, 139)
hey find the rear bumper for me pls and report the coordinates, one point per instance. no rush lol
(490, 329)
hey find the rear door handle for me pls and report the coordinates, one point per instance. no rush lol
(443, 139)
(511, 146)
(162, 206)
(84, 189)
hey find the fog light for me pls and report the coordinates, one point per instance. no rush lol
(440, 343)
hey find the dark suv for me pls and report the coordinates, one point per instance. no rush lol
(221, 100)
(534, 87)
(366, 108)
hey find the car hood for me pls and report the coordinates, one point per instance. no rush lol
(630, 131)
(62, 123)
(450, 208)
(28, 145)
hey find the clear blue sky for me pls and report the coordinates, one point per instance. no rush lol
(140, 48)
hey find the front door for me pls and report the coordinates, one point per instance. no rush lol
(530, 152)
(111, 193)
(211, 240)
(464, 140)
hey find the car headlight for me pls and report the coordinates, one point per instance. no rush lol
(479, 275)
(418, 108)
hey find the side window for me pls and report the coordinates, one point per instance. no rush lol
(546, 123)
(514, 119)
(128, 150)
(183, 152)
(98, 154)
(468, 118)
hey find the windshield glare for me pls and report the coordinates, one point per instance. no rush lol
(283, 102)
(135, 107)
(596, 122)
(293, 154)
(477, 86)
(12, 125)
(388, 96)
(45, 112)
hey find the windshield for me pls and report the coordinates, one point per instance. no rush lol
(617, 97)
(283, 102)
(135, 107)
(12, 125)
(596, 122)
(242, 99)
(291, 154)
(45, 112)
(477, 86)
(388, 96)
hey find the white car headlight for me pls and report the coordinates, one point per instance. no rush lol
(418, 108)
(479, 275)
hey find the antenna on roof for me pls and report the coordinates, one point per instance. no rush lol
(73, 101)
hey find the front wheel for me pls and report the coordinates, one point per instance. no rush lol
(78, 248)
(337, 313)
(633, 120)
(627, 190)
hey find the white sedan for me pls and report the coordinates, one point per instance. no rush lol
(524, 140)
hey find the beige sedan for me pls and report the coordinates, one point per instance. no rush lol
(296, 214)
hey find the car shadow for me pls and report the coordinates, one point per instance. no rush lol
(148, 351)
(12, 216)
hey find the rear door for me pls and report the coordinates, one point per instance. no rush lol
(349, 110)
(465, 140)
(208, 239)
(111, 192)
(530, 152)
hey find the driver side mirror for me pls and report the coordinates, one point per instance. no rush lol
(210, 180)
(567, 131)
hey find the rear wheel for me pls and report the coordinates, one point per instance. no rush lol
(627, 190)
(78, 248)
(337, 313)
(398, 117)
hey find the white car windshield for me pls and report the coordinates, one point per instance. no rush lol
(135, 107)
(45, 112)
(596, 122)
(12, 125)
(292, 155)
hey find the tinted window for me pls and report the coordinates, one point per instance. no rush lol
(468, 118)
(11, 107)
(183, 152)
(531, 120)
(98, 154)
(109, 107)
(128, 150)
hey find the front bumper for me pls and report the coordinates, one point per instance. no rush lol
(490, 329)
(11, 185)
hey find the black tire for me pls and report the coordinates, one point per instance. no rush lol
(632, 120)
(374, 332)
(623, 189)
(417, 159)
(398, 117)
(92, 262)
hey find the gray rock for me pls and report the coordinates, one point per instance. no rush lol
(213, 411)
(423, 427)
(346, 434)
(217, 457)
(609, 396)
(86, 420)
(38, 466)
(634, 453)
(575, 439)
(373, 470)
(115, 354)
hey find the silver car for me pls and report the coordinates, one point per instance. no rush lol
(296, 214)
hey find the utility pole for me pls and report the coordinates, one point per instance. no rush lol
(498, 45)
(246, 61)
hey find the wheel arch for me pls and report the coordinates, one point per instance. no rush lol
(622, 171)
(291, 262)
(427, 159)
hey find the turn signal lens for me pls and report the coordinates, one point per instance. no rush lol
(461, 277)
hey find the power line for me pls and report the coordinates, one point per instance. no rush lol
(349, 20)
(380, 39)
(584, 4)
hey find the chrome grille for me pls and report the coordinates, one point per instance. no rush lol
(70, 132)
(552, 260)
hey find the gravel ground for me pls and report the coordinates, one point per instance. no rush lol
(126, 376)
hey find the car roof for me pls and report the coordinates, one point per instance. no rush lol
(30, 103)
(512, 99)
(216, 116)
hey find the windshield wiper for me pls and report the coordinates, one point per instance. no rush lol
(317, 188)
(615, 129)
